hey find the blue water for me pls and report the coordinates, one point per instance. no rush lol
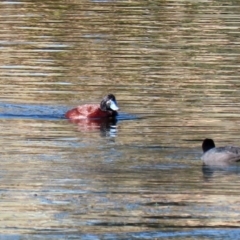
(174, 234)
(27, 111)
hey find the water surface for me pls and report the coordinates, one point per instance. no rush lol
(173, 66)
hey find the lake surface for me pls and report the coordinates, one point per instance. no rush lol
(174, 68)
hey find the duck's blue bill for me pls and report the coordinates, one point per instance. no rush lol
(113, 105)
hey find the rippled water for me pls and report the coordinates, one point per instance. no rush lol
(174, 68)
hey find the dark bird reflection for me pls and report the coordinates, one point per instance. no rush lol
(226, 169)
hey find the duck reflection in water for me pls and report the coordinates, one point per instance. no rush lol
(101, 116)
(219, 158)
(107, 126)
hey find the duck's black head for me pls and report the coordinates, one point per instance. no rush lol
(207, 144)
(109, 103)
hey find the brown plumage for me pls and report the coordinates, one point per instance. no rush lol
(106, 109)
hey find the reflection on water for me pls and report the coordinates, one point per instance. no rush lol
(212, 171)
(105, 125)
(174, 68)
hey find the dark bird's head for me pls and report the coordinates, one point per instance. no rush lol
(109, 103)
(207, 144)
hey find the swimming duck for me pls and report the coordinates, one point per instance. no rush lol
(107, 109)
(219, 155)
